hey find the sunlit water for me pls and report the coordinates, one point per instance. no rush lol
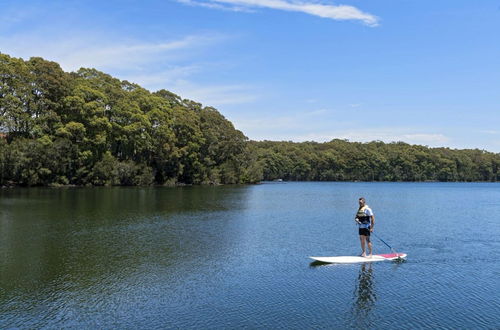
(237, 256)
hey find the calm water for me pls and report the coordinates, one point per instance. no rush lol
(237, 256)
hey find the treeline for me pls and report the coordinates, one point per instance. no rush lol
(88, 128)
(340, 160)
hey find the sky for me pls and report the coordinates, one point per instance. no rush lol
(420, 71)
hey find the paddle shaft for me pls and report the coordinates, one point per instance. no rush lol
(390, 247)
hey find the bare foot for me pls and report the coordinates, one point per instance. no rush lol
(362, 254)
(370, 255)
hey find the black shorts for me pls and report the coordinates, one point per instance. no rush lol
(364, 231)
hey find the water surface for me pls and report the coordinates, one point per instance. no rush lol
(237, 256)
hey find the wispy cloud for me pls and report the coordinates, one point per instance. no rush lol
(281, 126)
(310, 126)
(162, 78)
(385, 135)
(179, 79)
(216, 95)
(335, 12)
(168, 64)
(491, 132)
(214, 5)
(395, 135)
(321, 125)
(100, 52)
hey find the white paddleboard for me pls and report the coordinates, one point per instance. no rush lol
(356, 259)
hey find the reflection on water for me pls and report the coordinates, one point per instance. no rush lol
(364, 295)
(59, 247)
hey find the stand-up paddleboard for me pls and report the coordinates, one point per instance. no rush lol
(356, 259)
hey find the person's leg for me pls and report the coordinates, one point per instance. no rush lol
(362, 240)
(369, 241)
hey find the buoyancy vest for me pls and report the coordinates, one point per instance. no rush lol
(362, 217)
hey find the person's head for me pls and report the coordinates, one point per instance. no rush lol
(362, 201)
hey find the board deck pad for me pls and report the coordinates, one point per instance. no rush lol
(356, 259)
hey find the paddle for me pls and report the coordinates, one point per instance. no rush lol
(390, 247)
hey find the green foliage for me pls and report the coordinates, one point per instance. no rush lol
(88, 128)
(340, 160)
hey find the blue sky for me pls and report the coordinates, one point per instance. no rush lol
(423, 72)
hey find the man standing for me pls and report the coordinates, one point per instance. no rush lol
(366, 221)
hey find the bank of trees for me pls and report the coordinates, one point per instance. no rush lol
(88, 128)
(340, 160)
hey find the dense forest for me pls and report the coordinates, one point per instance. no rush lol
(88, 128)
(340, 160)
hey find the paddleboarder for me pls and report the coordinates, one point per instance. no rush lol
(366, 221)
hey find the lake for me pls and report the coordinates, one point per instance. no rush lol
(237, 257)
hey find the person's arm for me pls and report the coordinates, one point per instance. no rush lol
(372, 218)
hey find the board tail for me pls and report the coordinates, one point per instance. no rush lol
(393, 255)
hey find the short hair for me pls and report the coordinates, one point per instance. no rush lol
(362, 199)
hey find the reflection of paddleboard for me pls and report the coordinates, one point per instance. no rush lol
(355, 259)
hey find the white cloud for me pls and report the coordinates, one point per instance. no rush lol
(213, 5)
(215, 95)
(315, 113)
(73, 52)
(491, 132)
(153, 65)
(178, 80)
(289, 126)
(387, 135)
(261, 126)
(340, 12)
(299, 128)
(161, 79)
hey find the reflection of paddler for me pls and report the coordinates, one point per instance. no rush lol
(366, 221)
(365, 295)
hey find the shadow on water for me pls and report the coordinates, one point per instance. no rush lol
(399, 261)
(317, 263)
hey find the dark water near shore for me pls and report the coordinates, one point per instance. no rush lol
(237, 256)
